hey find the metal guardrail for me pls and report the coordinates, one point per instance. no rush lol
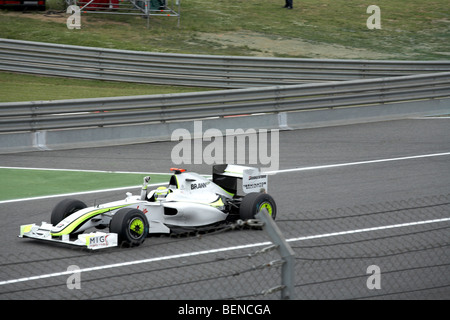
(194, 70)
(101, 112)
(285, 251)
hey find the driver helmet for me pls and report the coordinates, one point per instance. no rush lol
(161, 193)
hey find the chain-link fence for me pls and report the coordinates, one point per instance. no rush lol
(395, 250)
(392, 250)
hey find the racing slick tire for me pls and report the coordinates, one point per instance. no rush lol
(131, 226)
(254, 202)
(64, 209)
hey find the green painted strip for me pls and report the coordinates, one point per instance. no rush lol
(74, 224)
(23, 183)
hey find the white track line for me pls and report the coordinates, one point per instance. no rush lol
(360, 163)
(78, 193)
(205, 252)
(268, 172)
(81, 170)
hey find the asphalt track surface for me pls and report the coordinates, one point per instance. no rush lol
(417, 165)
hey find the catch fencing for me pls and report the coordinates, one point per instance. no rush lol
(390, 250)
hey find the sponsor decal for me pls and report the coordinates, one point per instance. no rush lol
(60, 225)
(199, 185)
(253, 181)
(98, 241)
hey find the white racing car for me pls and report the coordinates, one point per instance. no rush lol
(190, 201)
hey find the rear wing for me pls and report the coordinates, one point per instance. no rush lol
(227, 176)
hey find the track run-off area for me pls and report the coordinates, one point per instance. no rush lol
(366, 191)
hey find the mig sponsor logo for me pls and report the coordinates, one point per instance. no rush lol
(98, 241)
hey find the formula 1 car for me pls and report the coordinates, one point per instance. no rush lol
(189, 201)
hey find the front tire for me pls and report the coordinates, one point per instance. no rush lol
(254, 202)
(131, 226)
(64, 209)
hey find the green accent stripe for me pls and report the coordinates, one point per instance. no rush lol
(71, 226)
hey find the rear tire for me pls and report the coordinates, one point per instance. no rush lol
(255, 202)
(64, 209)
(131, 226)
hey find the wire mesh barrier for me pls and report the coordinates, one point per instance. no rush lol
(392, 250)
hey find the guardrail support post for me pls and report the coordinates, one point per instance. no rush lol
(285, 251)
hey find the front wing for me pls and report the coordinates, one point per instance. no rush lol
(92, 241)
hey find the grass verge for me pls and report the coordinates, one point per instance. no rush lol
(23, 183)
(22, 87)
(413, 29)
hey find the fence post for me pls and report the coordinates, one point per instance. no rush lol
(285, 251)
